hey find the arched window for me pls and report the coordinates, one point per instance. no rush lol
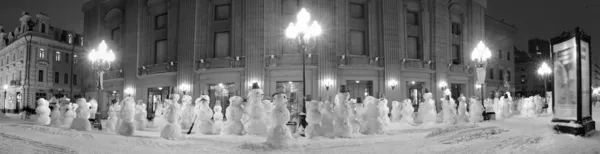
(43, 30)
(70, 38)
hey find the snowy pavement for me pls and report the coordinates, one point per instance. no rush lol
(515, 135)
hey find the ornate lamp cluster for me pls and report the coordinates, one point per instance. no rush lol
(303, 34)
(101, 59)
(480, 55)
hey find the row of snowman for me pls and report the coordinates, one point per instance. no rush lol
(65, 114)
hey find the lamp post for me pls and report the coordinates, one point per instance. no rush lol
(101, 59)
(480, 55)
(5, 88)
(544, 71)
(304, 36)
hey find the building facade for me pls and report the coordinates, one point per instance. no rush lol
(500, 36)
(38, 60)
(528, 62)
(393, 47)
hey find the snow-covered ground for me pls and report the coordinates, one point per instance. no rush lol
(515, 135)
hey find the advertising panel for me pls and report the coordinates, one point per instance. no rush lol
(565, 79)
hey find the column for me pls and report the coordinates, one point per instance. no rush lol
(185, 44)
(393, 40)
(253, 43)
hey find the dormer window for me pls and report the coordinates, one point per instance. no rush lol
(43, 28)
(70, 38)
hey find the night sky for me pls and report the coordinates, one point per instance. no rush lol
(534, 18)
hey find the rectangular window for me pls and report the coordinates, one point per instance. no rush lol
(508, 75)
(75, 59)
(413, 48)
(56, 77)
(74, 79)
(500, 54)
(42, 54)
(115, 34)
(160, 55)
(412, 18)
(357, 43)
(161, 21)
(501, 73)
(223, 12)
(222, 45)
(66, 78)
(508, 56)
(57, 56)
(456, 54)
(357, 10)
(456, 28)
(40, 76)
(67, 57)
(491, 73)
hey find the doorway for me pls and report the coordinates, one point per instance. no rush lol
(457, 90)
(220, 94)
(292, 89)
(156, 95)
(359, 89)
(415, 91)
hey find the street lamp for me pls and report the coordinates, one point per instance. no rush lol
(5, 88)
(544, 71)
(101, 59)
(304, 36)
(480, 55)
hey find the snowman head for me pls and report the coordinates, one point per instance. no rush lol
(370, 100)
(218, 109)
(395, 104)
(427, 96)
(314, 105)
(186, 98)
(236, 100)
(81, 103)
(42, 102)
(383, 102)
(280, 99)
(175, 97)
(255, 94)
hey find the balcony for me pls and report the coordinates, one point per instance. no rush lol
(218, 63)
(290, 60)
(458, 68)
(15, 82)
(418, 64)
(113, 74)
(158, 68)
(364, 61)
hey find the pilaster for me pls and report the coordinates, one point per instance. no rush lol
(254, 43)
(185, 44)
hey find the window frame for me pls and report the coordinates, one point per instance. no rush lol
(74, 78)
(216, 12)
(57, 56)
(416, 19)
(156, 57)
(418, 47)
(214, 53)
(363, 10)
(66, 78)
(114, 34)
(365, 52)
(459, 56)
(41, 75)
(56, 77)
(159, 27)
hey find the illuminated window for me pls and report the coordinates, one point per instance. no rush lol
(57, 56)
(75, 59)
(70, 39)
(42, 54)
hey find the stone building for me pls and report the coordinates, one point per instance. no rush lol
(529, 82)
(501, 37)
(36, 61)
(390, 47)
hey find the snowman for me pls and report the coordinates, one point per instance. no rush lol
(407, 112)
(549, 101)
(93, 105)
(475, 110)
(126, 117)
(327, 118)
(313, 118)
(462, 109)
(69, 115)
(172, 131)
(81, 122)
(506, 103)
(189, 112)
(383, 105)
(234, 112)
(279, 135)
(204, 124)
(218, 117)
(373, 123)
(176, 99)
(56, 116)
(255, 125)
(268, 106)
(427, 114)
(159, 120)
(354, 117)
(448, 108)
(140, 115)
(112, 120)
(397, 111)
(43, 112)
(342, 127)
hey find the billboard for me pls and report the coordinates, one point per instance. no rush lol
(565, 79)
(585, 79)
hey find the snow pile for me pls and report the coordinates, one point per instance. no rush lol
(468, 135)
